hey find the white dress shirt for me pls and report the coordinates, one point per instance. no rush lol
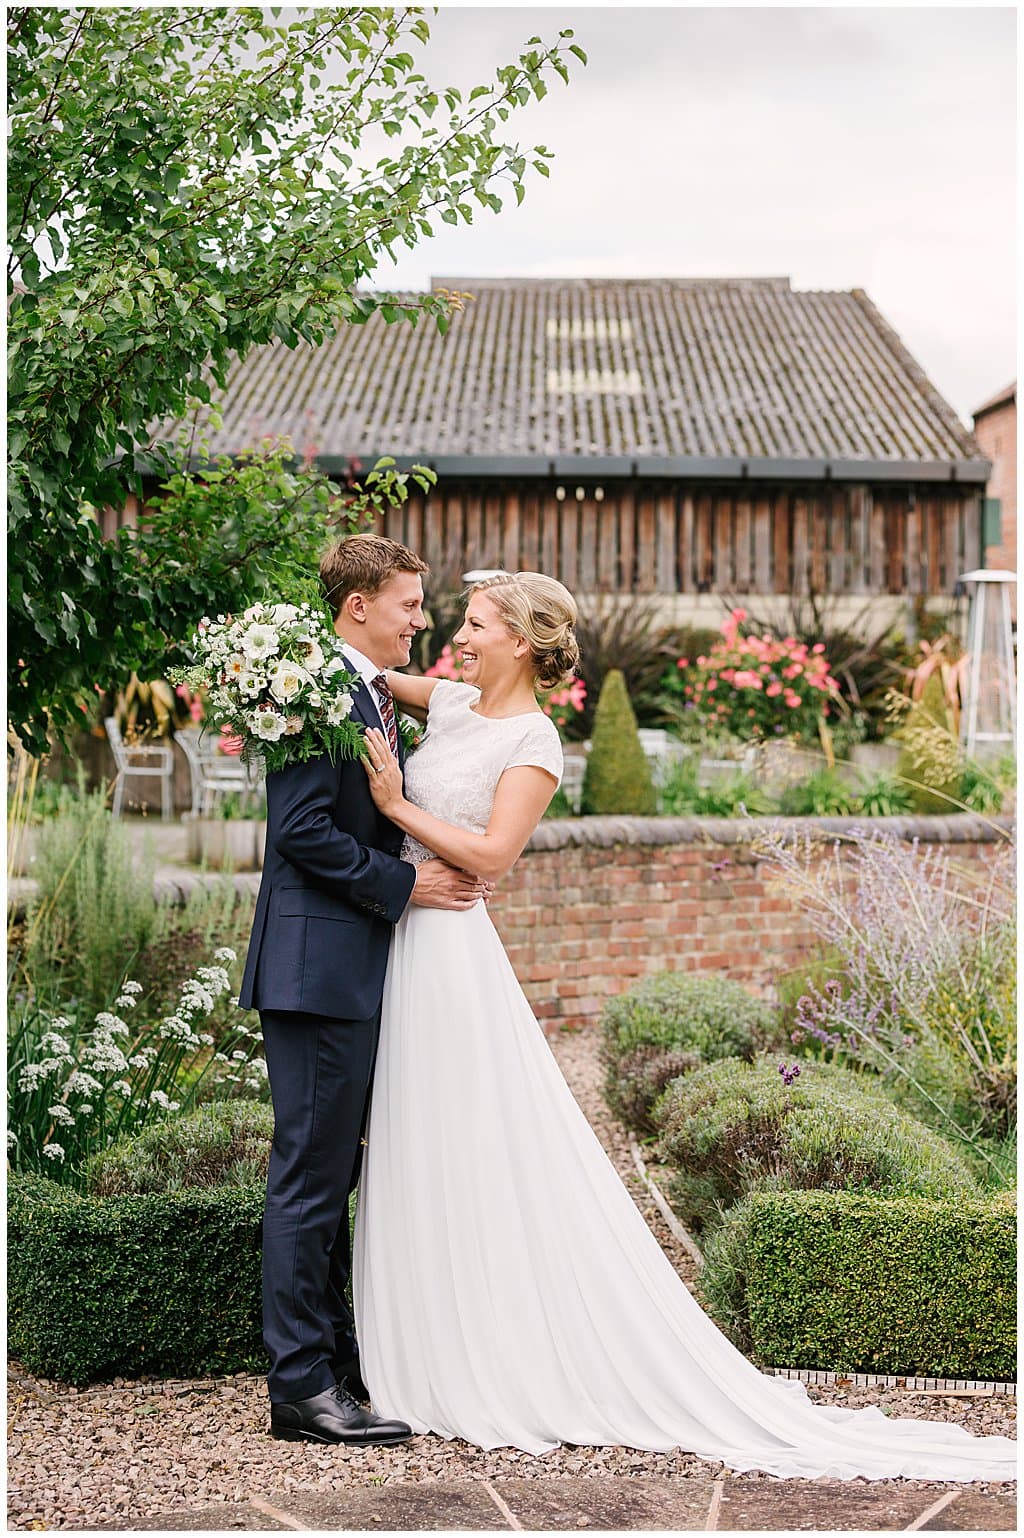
(367, 671)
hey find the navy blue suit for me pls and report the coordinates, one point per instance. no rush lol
(333, 886)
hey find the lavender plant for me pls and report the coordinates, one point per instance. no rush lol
(77, 1083)
(922, 986)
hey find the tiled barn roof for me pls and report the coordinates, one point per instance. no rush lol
(682, 372)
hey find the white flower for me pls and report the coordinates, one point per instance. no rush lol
(338, 709)
(83, 1084)
(312, 655)
(205, 1039)
(122, 1087)
(253, 612)
(286, 680)
(336, 665)
(269, 726)
(110, 1025)
(250, 683)
(238, 1057)
(33, 1074)
(54, 1044)
(103, 1056)
(12, 1139)
(284, 613)
(260, 641)
(225, 953)
(54, 1151)
(314, 698)
(292, 726)
(130, 987)
(235, 666)
(142, 1060)
(176, 1029)
(125, 1001)
(61, 1115)
(85, 1109)
(159, 1098)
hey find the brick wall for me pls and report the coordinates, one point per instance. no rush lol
(995, 428)
(595, 904)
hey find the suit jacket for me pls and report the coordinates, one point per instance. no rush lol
(331, 890)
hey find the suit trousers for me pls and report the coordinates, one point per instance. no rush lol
(320, 1073)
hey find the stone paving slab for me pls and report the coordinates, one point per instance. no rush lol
(606, 1505)
(609, 1505)
(411, 1506)
(976, 1512)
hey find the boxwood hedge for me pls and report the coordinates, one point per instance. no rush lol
(863, 1283)
(162, 1283)
(668, 1024)
(733, 1127)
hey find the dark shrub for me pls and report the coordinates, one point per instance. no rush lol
(861, 1283)
(732, 1127)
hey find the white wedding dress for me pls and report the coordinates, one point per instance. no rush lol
(507, 1291)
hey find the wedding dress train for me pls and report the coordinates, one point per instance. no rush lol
(507, 1290)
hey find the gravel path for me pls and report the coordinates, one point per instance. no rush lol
(117, 1454)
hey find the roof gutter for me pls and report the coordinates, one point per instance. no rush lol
(971, 472)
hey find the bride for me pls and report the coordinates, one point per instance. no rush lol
(507, 1291)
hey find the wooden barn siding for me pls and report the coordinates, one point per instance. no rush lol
(672, 538)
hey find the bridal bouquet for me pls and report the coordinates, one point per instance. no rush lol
(276, 678)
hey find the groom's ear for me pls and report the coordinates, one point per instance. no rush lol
(355, 607)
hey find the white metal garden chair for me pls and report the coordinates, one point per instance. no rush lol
(214, 773)
(142, 760)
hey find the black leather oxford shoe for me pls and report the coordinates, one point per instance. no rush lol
(333, 1416)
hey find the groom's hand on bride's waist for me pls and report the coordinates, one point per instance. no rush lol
(440, 885)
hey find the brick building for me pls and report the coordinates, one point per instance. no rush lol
(995, 429)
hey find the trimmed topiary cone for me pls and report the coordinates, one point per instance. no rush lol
(618, 779)
(928, 752)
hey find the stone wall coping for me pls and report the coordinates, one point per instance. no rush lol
(654, 832)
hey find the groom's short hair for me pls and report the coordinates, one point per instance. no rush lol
(362, 563)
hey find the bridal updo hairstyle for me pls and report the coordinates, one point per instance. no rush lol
(543, 613)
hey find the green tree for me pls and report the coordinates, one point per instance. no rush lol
(618, 778)
(184, 184)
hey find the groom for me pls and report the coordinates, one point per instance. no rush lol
(333, 885)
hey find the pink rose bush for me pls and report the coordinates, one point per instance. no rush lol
(562, 705)
(757, 686)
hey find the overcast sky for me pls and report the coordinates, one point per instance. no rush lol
(842, 148)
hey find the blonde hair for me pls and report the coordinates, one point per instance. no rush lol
(543, 613)
(362, 563)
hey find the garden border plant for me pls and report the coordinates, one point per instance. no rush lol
(855, 1282)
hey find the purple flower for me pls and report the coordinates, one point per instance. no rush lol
(789, 1074)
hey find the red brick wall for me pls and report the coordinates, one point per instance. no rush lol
(582, 921)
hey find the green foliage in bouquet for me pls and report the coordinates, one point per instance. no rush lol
(618, 778)
(277, 677)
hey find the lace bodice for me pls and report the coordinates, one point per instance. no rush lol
(454, 772)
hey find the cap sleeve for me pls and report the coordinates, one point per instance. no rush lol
(540, 747)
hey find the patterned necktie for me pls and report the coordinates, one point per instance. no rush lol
(386, 700)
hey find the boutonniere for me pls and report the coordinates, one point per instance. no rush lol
(411, 732)
(277, 678)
